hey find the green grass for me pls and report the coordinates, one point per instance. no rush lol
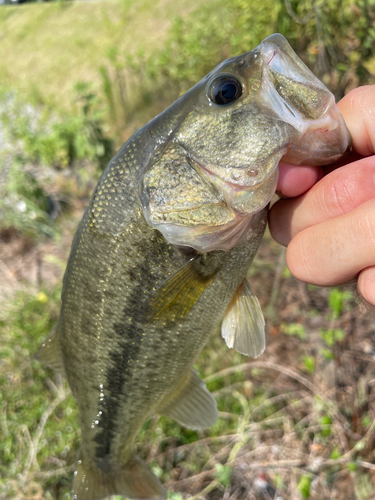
(45, 48)
(29, 394)
(140, 54)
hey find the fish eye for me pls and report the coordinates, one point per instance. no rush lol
(225, 89)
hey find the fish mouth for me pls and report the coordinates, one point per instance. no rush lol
(289, 88)
(300, 99)
(246, 200)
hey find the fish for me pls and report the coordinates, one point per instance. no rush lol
(161, 255)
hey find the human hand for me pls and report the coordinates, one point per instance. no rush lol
(330, 229)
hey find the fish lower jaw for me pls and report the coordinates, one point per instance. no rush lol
(319, 147)
(326, 123)
(206, 239)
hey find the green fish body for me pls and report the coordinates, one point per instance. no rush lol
(161, 255)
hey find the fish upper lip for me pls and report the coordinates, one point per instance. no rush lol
(230, 191)
(211, 174)
(239, 187)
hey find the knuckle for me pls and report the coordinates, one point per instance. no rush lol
(347, 188)
(367, 222)
(300, 257)
(337, 197)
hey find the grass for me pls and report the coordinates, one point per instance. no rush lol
(140, 55)
(58, 44)
(309, 429)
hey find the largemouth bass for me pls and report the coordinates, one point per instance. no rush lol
(161, 255)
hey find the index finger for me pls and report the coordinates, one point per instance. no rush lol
(358, 111)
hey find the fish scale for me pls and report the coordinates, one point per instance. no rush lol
(162, 252)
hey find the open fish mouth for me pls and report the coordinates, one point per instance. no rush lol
(300, 99)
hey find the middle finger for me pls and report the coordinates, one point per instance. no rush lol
(336, 194)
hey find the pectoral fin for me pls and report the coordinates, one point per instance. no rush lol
(50, 352)
(177, 295)
(191, 404)
(243, 323)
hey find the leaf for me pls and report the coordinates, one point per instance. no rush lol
(223, 474)
(304, 486)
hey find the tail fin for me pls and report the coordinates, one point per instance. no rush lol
(134, 480)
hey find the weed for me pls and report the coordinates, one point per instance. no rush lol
(29, 432)
(223, 474)
(286, 273)
(326, 422)
(327, 353)
(335, 453)
(337, 298)
(303, 486)
(332, 336)
(39, 144)
(295, 329)
(309, 362)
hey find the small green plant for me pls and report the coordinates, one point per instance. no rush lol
(295, 329)
(337, 299)
(332, 336)
(309, 362)
(173, 496)
(286, 273)
(360, 445)
(279, 483)
(366, 421)
(303, 486)
(327, 353)
(325, 421)
(335, 453)
(223, 473)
